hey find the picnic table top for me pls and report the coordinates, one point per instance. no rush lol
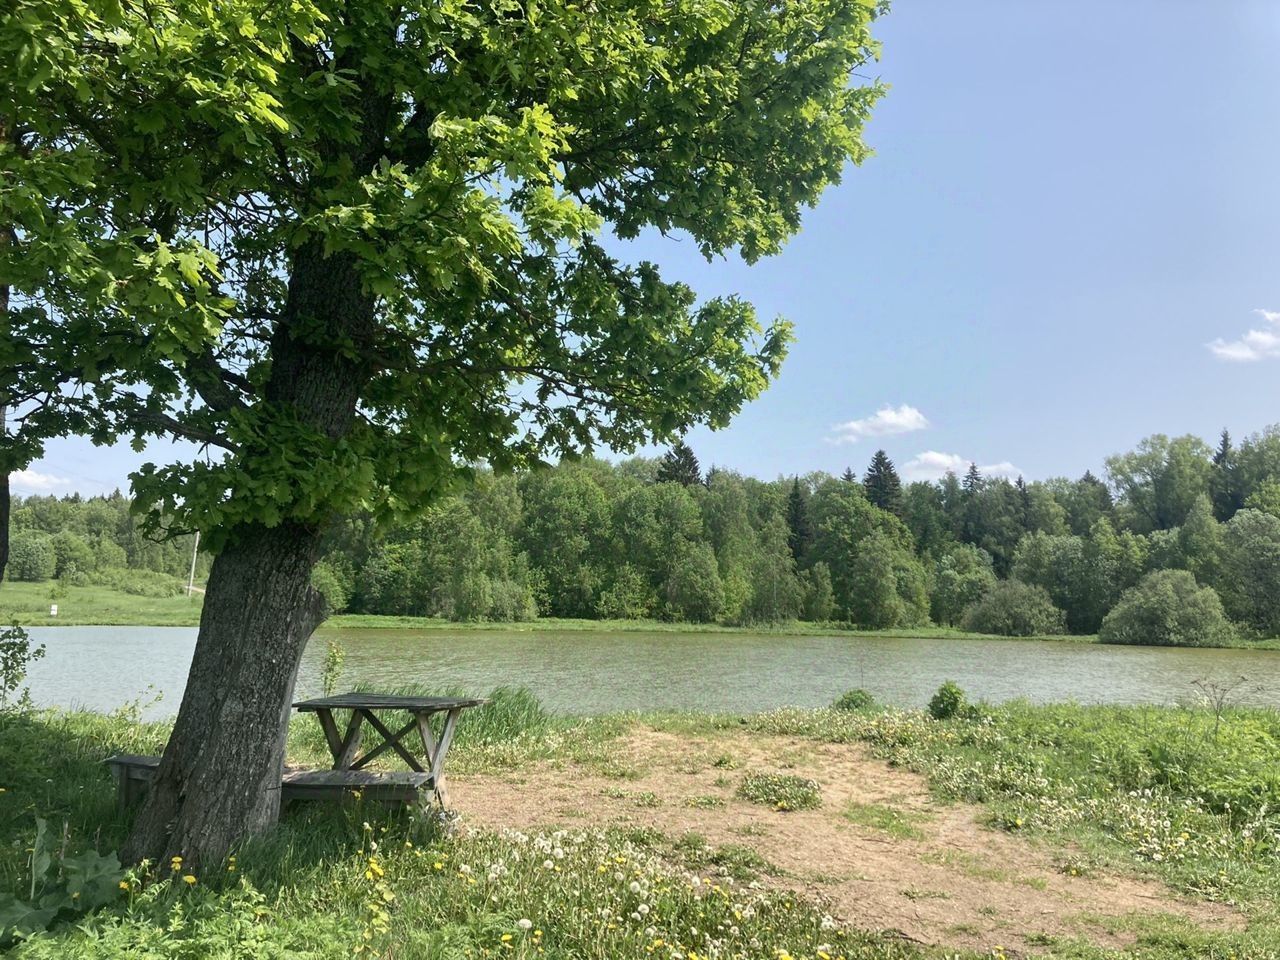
(386, 701)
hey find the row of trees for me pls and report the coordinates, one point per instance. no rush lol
(658, 538)
(95, 540)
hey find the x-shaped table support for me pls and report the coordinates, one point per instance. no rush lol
(346, 745)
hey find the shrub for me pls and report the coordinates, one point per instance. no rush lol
(1168, 608)
(31, 557)
(326, 580)
(629, 597)
(1015, 609)
(781, 791)
(16, 655)
(947, 702)
(141, 583)
(856, 699)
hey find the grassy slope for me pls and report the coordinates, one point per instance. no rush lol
(1064, 774)
(28, 604)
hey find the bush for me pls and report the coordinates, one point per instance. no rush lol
(327, 581)
(947, 702)
(1015, 609)
(780, 791)
(628, 598)
(1168, 608)
(31, 557)
(141, 583)
(856, 699)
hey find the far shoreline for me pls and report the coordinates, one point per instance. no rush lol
(27, 604)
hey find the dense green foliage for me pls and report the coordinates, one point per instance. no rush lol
(855, 699)
(1169, 608)
(948, 701)
(97, 540)
(589, 539)
(1015, 609)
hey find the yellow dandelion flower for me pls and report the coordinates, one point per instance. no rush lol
(189, 880)
(124, 884)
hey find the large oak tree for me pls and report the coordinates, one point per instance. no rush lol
(349, 246)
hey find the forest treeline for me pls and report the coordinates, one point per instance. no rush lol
(1186, 535)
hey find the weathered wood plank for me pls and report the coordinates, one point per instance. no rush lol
(401, 786)
(386, 701)
(133, 773)
(437, 758)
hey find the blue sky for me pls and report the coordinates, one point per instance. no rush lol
(1067, 240)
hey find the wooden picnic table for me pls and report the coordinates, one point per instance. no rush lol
(365, 707)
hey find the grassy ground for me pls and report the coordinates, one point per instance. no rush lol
(1189, 796)
(28, 604)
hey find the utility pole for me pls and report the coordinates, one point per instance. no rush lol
(191, 578)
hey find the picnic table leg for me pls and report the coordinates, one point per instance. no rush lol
(429, 748)
(437, 757)
(330, 728)
(350, 746)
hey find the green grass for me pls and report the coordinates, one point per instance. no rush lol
(782, 791)
(28, 604)
(336, 883)
(1186, 795)
(894, 821)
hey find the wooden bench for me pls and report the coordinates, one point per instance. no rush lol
(133, 773)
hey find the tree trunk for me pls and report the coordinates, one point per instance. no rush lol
(219, 779)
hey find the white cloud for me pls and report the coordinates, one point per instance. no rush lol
(885, 422)
(31, 481)
(934, 465)
(1254, 345)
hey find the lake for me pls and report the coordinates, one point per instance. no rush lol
(581, 671)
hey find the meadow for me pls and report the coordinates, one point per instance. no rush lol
(1177, 804)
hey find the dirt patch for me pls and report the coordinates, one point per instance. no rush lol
(879, 852)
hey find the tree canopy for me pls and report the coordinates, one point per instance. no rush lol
(352, 249)
(185, 178)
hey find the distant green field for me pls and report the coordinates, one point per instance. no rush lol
(28, 604)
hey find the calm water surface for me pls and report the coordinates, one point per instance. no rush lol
(589, 672)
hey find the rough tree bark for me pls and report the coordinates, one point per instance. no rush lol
(219, 778)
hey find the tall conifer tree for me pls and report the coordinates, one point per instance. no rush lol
(1224, 481)
(799, 534)
(884, 488)
(680, 466)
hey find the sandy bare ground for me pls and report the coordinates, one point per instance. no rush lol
(940, 877)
